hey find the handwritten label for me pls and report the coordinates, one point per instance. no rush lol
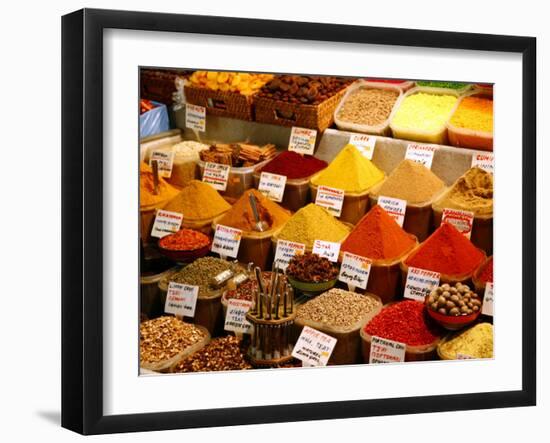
(423, 154)
(235, 316)
(195, 117)
(326, 249)
(302, 140)
(313, 347)
(420, 283)
(484, 161)
(364, 143)
(181, 299)
(272, 186)
(216, 175)
(166, 222)
(226, 241)
(488, 299)
(464, 357)
(383, 350)
(395, 207)
(355, 270)
(330, 198)
(286, 250)
(461, 220)
(165, 160)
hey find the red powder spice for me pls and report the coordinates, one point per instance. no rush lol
(486, 274)
(406, 322)
(377, 236)
(294, 165)
(448, 252)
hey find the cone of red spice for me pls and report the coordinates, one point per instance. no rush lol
(486, 273)
(294, 165)
(448, 252)
(377, 236)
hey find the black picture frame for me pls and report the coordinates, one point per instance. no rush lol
(82, 216)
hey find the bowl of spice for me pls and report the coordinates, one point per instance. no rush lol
(311, 273)
(164, 341)
(405, 322)
(298, 170)
(340, 314)
(419, 187)
(474, 342)
(453, 306)
(367, 107)
(353, 173)
(472, 192)
(471, 125)
(185, 245)
(379, 238)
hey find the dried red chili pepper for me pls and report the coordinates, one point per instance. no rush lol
(184, 240)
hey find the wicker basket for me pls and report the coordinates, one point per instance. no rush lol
(221, 103)
(158, 85)
(318, 117)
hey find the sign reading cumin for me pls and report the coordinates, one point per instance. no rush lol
(302, 140)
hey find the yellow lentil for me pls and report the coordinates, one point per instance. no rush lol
(425, 112)
(476, 342)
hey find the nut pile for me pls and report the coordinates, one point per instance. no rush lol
(200, 272)
(221, 354)
(298, 89)
(164, 337)
(311, 268)
(453, 300)
(368, 106)
(337, 308)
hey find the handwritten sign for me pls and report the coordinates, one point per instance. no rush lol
(216, 175)
(181, 299)
(235, 316)
(484, 161)
(272, 186)
(383, 350)
(286, 250)
(314, 347)
(166, 222)
(302, 140)
(395, 207)
(464, 357)
(165, 161)
(355, 270)
(488, 299)
(420, 283)
(326, 249)
(463, 221)
(195, 117)
(226, 241)
(423, 154)
(364, 143)
(330, 198)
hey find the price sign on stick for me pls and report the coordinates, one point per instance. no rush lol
(488, 299)
(216, 175)
(330, 198)
(395, 207)
(383, 350)
(364, 143)
(165, 162)
(314, 347)
(302, 140)
(420, 283)
(226, 241)
(326, 249)
(286, 250)
(235, 316)
(166, 222)
(355, 271)
(272, 186)
(461, 220)
(181, 299)
(423, 154)
(195, 117)
(484, 161)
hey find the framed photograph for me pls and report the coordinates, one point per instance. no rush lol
(270, 221)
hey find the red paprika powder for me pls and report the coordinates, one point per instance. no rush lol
(294, 165)
(377, 236)
(184, 240)
(406, 322)
(486, 274)
(448, 252)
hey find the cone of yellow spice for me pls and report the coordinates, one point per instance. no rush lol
(353, 173)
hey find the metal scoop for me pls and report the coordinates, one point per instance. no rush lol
(260, 225)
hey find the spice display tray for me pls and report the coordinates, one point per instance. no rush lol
(404, 85)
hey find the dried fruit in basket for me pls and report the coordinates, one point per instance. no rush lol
(240, 82)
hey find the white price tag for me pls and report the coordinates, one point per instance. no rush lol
(216, 175)
(195, 117)
(464, 357)
(331, 199)
(272, 186)
(235, 316)
(166, 222)
(165, 160)
(484, 161)
(395, 207)
(313, 347)
(355, 270)
(488, 299)
(326, 249)
(302, 140)
(226, 241)
(423, 154)
(364, 143)
(286, 250)
(383, 350)
(181, 299)
(462, 220)
(420, 283)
